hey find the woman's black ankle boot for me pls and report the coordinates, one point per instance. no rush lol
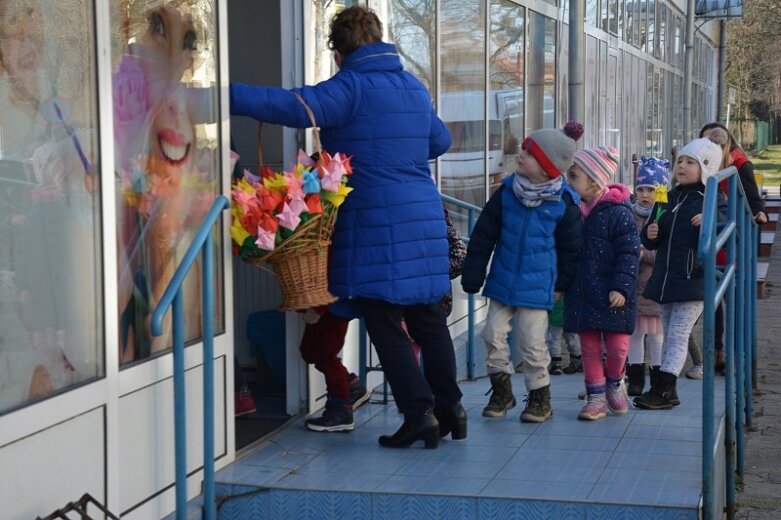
(426, 429)
(452, 420)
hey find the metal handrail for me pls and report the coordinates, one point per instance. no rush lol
(472, 210)
(202, 243)
(738, 288)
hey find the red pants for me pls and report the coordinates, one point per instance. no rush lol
(320, 347)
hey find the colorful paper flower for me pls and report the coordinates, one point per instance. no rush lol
(313, 204)
(238, 233)
(337, 198)
(288, 218)
(660, 197)
(266, 239)
(311, 181)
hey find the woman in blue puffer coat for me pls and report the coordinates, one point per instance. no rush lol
(390, 250)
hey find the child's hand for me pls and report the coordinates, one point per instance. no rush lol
(697, 220)
(653, 231)
(556, 296)
(616, 299)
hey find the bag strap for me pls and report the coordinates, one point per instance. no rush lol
(315, 130)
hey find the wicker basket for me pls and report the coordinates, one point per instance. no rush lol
(301, 262)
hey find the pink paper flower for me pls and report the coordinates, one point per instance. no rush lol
(265, 239)
(288, 218)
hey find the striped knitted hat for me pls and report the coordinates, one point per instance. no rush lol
(599, 163)
(553, 148)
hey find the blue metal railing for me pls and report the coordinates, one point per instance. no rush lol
(738, 287)
(202, 243)
(471, 212)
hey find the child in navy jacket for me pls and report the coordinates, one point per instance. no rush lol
(600, 305)
(531, 226)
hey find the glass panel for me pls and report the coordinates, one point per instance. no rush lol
(592, 9)
(463, 100)
(662, 44)
(592, 84)
(505, 96)
(411, 26)
(651, 31)
(638, 24)
(51, 320)
(562, 106)
(613, 15)
(321, 12)
(629, 35)
(166, 142)
(541, 76)
(619, 19)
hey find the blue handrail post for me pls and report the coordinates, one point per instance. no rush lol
(470, 342)
(730, 351)
(753, 244)
(209, 502)
(172, 296)
(180, 426)
(744, 232)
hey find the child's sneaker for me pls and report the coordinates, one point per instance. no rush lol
(337, 417)
(359, 394)
(617, 400)
(594, 409)
(695, 372)
(243, 403)
(575, 365)
(554, 368)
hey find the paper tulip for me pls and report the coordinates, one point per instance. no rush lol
(660, 197)
(288, 218)
(313, 204)
(311, 182)
(266, 239)
(337, 198)
(238, 233)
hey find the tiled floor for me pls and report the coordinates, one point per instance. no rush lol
(640, 460)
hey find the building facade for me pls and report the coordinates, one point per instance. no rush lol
(114, 140)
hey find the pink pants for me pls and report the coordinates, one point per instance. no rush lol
(596, 374)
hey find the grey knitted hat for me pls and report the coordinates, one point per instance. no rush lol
(554, 148)
(706, 153)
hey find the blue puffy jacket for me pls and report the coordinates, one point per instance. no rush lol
(534, 249)
(390, 239)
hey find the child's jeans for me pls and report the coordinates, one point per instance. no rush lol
(321, 345)
(616, 346)
(678, 319)
(554, 336)
(529, 331)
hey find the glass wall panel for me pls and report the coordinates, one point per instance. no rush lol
(166, 142)
(562, 99)
(463, 99)
(505, 89)
(592, 12)
(662, 24)
(411, 26)
(629, 34)
(651, 27)
(614, 13)
(51, 320)
(541, 74)
(592, 84)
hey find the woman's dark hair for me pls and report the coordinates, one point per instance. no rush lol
(733, 144)
(352, 28)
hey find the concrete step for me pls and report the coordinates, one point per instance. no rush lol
(766, 243)
(762, 268)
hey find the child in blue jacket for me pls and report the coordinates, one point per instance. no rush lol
(531, 225)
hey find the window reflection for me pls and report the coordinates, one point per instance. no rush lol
(505, 101)
(541, 79)
(50, 273)
(166, 159)
(463, 100)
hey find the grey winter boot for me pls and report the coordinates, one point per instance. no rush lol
(502, 398)
(538, 407)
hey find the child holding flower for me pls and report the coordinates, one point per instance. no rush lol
(651, 183)
(677, 279)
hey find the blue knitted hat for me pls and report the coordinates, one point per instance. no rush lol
(652, 172)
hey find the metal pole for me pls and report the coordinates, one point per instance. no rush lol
(708, 333)
(209, 503)
(688, 67)
(470, 301)
(722, 69)
(577, 60)
(730, 351)
(743, 293)
(180, 426)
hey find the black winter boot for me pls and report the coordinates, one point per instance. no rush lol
(554, 368)
(502, 398)
(659, 397)
(655, 371)
(452, 420)
(425, 428)
(337, 417)
(635, 373)
(538, 407)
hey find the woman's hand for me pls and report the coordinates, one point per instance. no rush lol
(616, 299)
(652, 232)
(760, 217)
(697, 220)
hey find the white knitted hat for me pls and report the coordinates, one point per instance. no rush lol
(706, 153)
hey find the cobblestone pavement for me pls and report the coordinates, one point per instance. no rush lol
(759, 498)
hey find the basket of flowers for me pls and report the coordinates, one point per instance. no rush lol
(286, 219)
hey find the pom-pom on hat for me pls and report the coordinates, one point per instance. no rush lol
(706, 153)
(652, 172)
(554, 148)
(599, 163)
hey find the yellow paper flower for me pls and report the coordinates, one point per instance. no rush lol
(337, 197)
(245, 186)
(660, 194)
(238, 233)
(276, 182)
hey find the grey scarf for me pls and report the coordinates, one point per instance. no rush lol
(532, 195)
(641, 211)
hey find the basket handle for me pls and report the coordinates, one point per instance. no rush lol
(315, 133)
